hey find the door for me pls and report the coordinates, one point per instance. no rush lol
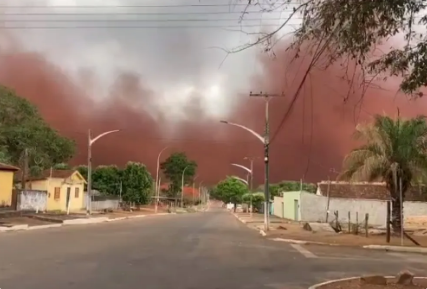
(296, 210)
(68, 198)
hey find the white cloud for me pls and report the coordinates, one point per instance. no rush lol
(168, 60)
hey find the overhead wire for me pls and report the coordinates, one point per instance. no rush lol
(140, 6)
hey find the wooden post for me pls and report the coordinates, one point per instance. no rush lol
(349, 222)
(388, 221)
(366, 225)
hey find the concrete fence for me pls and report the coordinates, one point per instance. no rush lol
(31, 200)
(100, 203)
(312, 208)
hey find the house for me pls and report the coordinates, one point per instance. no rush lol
(189, 192)
(64, 189)
(6, 184)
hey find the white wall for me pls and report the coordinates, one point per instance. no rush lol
(277, 207)
(313, 209)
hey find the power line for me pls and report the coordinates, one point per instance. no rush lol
(136, 27)
(130, 20)
(143, 6)
(142, 13)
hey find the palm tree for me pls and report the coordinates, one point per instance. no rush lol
(395, 151)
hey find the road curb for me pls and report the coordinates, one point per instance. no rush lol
(237, 217)
(44, 227)
(302, 242)
(397, 249)
(368, 247)
(319, 285)
(14, 228)
(84, 221)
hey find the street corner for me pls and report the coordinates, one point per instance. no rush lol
(403, 249)
(357, 255)
(403, 279)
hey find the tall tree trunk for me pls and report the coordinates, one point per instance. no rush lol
(396, 220)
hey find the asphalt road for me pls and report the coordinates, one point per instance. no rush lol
(210, 250)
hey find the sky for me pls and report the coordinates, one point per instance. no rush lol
(171, 62)
(159, 71)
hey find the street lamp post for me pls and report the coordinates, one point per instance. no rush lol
(250, 174)
(157, 179)
(91, 141)
(182, 186)
(200, 196)
(246, 182)
(194, 187)
(266, 142)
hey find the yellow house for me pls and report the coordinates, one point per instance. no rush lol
(64, 188)
(6, 184)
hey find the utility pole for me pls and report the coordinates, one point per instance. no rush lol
(267, 98)
(24, 170)
(251, 186)
(251, 160)
(120, 191)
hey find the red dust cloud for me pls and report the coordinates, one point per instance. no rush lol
(312, 141)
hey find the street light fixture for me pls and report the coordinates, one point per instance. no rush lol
(91, 141)
(157, 178)
(250, 174)
(266, 142)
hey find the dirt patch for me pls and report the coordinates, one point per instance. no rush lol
(293, 231)
(7, 222)
(390, 284)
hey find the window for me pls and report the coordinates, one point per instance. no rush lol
(76, 193)
(57, 194)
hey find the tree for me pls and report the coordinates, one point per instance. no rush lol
(137, 183)
(231, 190)
(26, 135)
(173, 168)
(336, 31)
(394, 151)
(82, 169)
(257, 199)
(289, 186)
(62, 166)
(4, 156)
(106, 179)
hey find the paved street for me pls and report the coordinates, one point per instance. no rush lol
(191, 251)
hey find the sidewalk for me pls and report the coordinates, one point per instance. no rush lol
(36, 222)
(292, 232)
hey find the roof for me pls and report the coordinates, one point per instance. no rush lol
(188, 191)
(376, 191)
(56, 174)
(6, 167)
